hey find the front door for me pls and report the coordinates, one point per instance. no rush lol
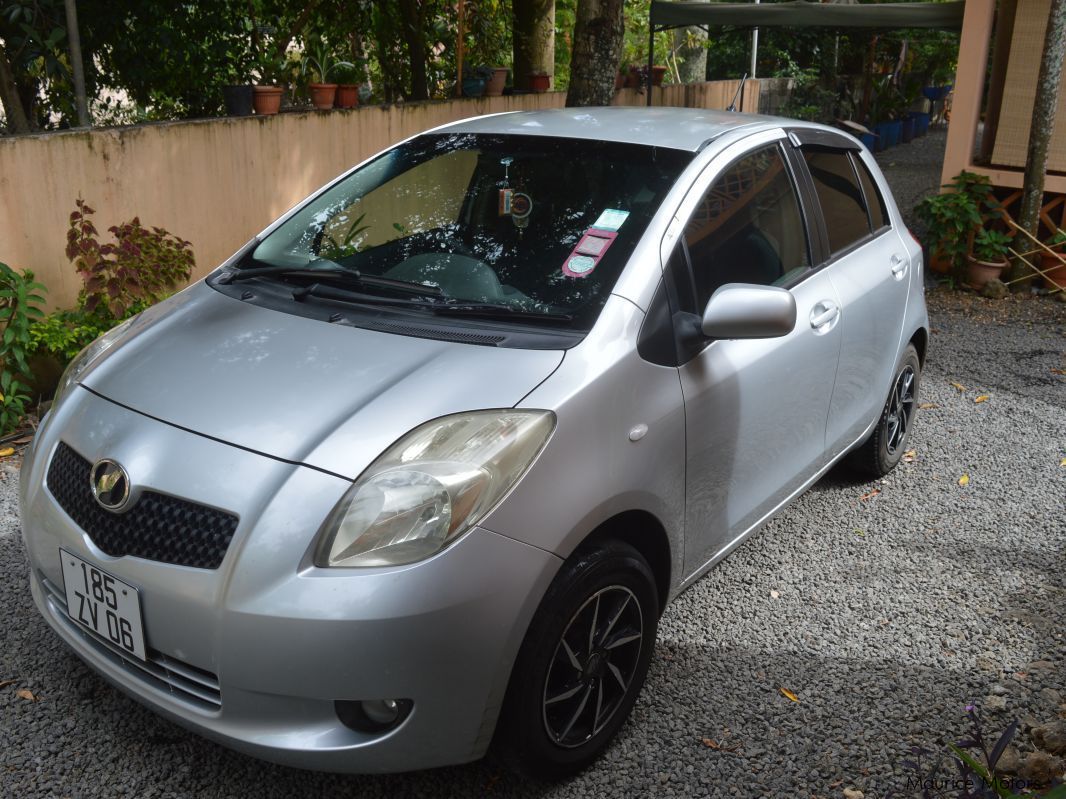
(755, 409)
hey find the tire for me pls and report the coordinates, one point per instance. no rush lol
(566, 700)
(880, 453)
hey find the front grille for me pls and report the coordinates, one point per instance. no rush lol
(158, 527)
(181, 680)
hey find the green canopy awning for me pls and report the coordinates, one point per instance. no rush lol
(803, 14)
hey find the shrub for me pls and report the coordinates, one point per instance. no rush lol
(141, 267)
(20, 301)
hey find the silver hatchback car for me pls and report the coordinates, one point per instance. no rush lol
(420, 466)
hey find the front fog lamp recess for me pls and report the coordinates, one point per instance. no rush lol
(372, 715)
(431, 486)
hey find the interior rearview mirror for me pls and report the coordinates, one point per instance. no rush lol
(743, 310)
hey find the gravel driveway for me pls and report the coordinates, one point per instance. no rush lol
(883, 607)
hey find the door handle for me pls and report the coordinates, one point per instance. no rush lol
(823, 314)
(899, 267)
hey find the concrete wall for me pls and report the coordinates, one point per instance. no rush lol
(218, 182)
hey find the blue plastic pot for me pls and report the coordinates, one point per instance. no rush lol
(869, 141)
(907, 131)
(895, 132)
(921, 123)
(881, 129)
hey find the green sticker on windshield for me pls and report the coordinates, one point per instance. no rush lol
(611, 219)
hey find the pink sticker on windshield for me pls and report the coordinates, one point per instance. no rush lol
(588, 252)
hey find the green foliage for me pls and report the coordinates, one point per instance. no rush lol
(1057, 238)
(991, 245)
(20, 301)
(809, 98)
(963, 215)
(322, 64)
(65, 333)
(142, 266)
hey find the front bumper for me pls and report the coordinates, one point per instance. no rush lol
(255, 653)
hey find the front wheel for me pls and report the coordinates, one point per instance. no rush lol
(880, 453)
(582, 663)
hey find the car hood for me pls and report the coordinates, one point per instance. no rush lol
(325, 395)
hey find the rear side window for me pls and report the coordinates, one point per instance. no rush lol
(840, 196)
(874, 200)
(748, 227)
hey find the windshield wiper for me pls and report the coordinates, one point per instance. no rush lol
(485, 310)
(491, 310)
(350, 276)
(357, 298)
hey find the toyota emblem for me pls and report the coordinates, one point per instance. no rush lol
(110, 485)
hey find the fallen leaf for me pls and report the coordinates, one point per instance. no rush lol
(857, 531)
(1058, 371)
(909, 456)
(710, 743)
(775, 594)
(6, 451)
(22, 693)
(1062, 462)
(870, 494)
(982, 398)
(958, 386)
(927, 406)
(964, 480)
(6, 683)
(788, 694)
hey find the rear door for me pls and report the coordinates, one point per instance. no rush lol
(869, 266)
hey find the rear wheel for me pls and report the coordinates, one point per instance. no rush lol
(883, 449)
(582, 663)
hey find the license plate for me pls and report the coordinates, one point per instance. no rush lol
(103, 604)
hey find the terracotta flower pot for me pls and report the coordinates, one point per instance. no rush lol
(322, 95)
(657, 75)
(978, 273)
(539, 82)
(495, 84)
(266, 100)
(347, 95)
(1054, 270)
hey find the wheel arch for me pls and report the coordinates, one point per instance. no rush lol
(920, 340)
(646, 534)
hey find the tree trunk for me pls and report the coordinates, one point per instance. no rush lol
(1040, 131)
(17, 121)
(74, 38)
(597, 49)
(691, 44)
(414, 37)
(534, 40)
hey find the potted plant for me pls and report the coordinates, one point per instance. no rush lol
(347, 87)
(1054, 266)
(953, 218)
(539, 82)
(321, 65)
(237, 96)
(988, 258)
(475, 80)
(496, 81)
(266, 97)
(657, 75)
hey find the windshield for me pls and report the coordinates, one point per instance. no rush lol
(530, 224)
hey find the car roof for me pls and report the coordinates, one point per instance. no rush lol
(678, 128)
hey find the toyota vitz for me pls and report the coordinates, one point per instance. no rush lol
(420, 466)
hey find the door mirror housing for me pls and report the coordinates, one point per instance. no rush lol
(743, 310)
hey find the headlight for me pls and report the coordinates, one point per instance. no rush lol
(429, 487)
(84, 359)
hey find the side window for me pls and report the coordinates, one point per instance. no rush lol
(843, 206)
(748, 227)
(874, 200)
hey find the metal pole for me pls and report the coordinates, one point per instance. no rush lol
(459, 52)
(74, 38)
(754, 47)
(651, 57)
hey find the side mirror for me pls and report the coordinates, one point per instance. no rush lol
(742, 310)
